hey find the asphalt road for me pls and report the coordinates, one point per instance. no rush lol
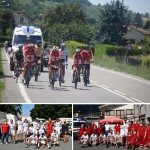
(76, 146)
(106, 86)
(21, 146)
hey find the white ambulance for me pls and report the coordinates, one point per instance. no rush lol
(19, 38)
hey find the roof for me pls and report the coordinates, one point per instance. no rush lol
(143, 31)
(110, 119)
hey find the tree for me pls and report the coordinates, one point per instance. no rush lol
(13, 109)
(51, 111)
(113, 23)
(138, 20)
(146, 24)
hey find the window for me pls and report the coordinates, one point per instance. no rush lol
(130, 112)
(110, 113)
(120, 113)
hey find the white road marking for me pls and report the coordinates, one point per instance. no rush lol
(114, 93)
(105, 86)
(94, 81)
(121, 74)
(119, 92)
(21, 87)
(137, 100)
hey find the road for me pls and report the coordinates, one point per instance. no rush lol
(106, 86)
(76, 146)
(21, 146)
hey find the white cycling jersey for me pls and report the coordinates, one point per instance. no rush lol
(12, 126)
(84, 138)
(58, 126)
(54, 136)
(63, 54)
(33, 139)
(43, 139)
(110, 136)
(93, 137)
(20, 125)
(25, 127)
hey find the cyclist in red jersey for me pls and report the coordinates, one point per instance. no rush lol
(54, 59)
(29, 58)
(87, 55)
(77, 62)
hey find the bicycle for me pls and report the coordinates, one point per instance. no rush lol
(86, 69)
(18, 70)
(29, 74)
(60, 72)
(77, 76)
(55, 75)
(37, 70)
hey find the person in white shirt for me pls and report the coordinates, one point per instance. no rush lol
(58, 126)
(112, 127)
(64, 59)
(118, 139)
(55, 138)
(107, 128)
(20, 129)
(41, 130)
(102, 139)
(84, 139)
(12, 131)
(25, 130)
(43, 141)
(36, 126)
(93, 139)
(32, 140)
(110, 140)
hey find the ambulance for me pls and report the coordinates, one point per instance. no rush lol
(19, 38)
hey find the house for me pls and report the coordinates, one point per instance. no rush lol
(142, 113)
(137, 35)
(124, 111)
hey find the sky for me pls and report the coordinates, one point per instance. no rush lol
(140, 6)
(26, 109)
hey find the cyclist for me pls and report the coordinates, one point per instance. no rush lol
(29, 58)
(77, 62)
(54, 59)
(87, 55)
(39, 53)
(18, 59)
(28, 41)
(64, 59)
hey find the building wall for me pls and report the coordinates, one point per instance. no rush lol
(136, 35)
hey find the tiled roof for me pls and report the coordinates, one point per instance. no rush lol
(143, 31)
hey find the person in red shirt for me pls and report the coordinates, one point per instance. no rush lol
(94, 129)
(49, 127)
(5, 132)
(130, 128)
(128, 140)
(135, 126)
(87, 55)
(77, 63)
(117, 128)
(29, 58)
(99, 130)
(81, 130)
(54, 59)
(141, 135)
(88, 131)
(135, 140)
(147, 135)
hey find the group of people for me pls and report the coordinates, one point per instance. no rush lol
(31, 54)
(126, 134)
(35, 133)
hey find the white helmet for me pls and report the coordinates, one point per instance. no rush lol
(63, 44)
(55, 48)
(78, 50)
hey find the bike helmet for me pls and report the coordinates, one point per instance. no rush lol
(62, 44)
(30, 45)
(55, 48)
(87, 46)
(78, 50)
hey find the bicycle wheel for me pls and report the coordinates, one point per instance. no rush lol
(36, 73)
(53, 80)
(60, 80)
(75, 80)
(17, 74)
(28, 78)
(85, 76)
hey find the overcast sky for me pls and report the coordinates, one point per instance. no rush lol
(141, 6)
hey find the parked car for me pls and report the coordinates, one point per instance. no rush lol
(76, 127)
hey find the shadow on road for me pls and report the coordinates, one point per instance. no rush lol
(61, 89)
(8, 76)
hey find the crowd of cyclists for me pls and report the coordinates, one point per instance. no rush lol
(37, 134)
(128, 134)
(30, 55)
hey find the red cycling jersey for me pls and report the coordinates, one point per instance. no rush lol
(55, 57)
(29, 55)
(86, 55)
(77, 59)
